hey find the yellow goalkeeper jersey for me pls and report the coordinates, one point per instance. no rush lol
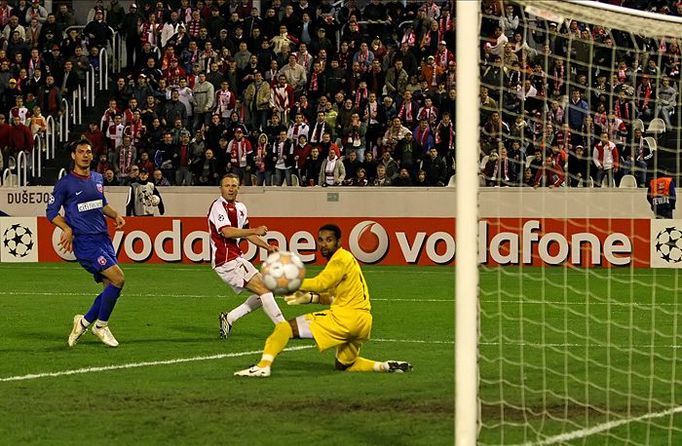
(342, 277)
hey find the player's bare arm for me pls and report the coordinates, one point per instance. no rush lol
(66, 239)
(232, 232)
(111, 213)
(251, 234)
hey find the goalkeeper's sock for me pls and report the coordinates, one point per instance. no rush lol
(250, 304)
(271, 308)
(366, 365)
(276, 343)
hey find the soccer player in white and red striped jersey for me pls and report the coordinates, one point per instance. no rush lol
(228, 222)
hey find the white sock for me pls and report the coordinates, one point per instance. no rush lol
(85, 323)
(251, 303)
(100, 324)
(271, 308)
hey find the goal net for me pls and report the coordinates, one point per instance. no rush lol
(579, 331)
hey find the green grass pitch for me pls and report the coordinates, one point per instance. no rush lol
(561, 350)
(564, 350)
(178, 388)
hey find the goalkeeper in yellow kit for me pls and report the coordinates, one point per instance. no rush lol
(347, 323)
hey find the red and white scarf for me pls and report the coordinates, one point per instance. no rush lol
(405, 112)
(360, 96)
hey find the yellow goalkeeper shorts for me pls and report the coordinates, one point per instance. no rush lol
(346, 330)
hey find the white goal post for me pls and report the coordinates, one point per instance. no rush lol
(571, 352)
(466, 300)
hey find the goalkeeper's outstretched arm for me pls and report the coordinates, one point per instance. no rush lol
(309, 297)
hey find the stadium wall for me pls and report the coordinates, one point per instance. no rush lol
(589, 228)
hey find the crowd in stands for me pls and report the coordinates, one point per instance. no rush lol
(296, 92)
(567, 104)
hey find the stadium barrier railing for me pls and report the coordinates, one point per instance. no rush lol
(50, 138)
(36, 157)
(22, 169)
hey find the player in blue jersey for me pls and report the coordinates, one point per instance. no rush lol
(85, 233)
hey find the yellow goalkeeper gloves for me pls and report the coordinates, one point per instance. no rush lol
(302, 298)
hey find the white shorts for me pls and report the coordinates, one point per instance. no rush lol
(236, 273)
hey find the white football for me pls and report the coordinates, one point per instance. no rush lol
(283, 272)
(155, 200)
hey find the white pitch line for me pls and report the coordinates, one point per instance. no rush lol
(82, 293)
(582, 433)
(134, 365)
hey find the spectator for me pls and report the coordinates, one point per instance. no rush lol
(125, 156)
(103, 165)
(382, 179)
(183, 175)
(206, 171)
(110, 178)
(606, 159)
(294, 74)
(132, 176)
(332, 172)
(403, 179)
(160, 179)
(240, 157)
(97, 31)
(301, 152)
(577, 110)
(37, 123)
(370, 165)
(203, 96)
(435, 168)
(282, 155)
(391, 168)
(257, 98)
(666, 101)
(141, 201)
(20, 138)
(166, 156)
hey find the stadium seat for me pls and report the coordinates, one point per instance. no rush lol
(529, 158)
(295, 180)
(590, 182)
(628, 181)
(452, 182)
(638, 124)
(656, 126)
(605, 181)
(651, 141)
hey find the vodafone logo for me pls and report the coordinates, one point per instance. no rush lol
(368, 241)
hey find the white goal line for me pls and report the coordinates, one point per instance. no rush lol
(582, 433)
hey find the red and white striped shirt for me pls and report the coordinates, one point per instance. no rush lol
(221, 214)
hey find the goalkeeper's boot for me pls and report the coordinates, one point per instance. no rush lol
(398, 366)
(104, 334)
(77, 331)
(254, 371)
(225, 326)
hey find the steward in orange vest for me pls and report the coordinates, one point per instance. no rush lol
(661, 196)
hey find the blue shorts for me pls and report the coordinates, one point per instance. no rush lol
(95, 253)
